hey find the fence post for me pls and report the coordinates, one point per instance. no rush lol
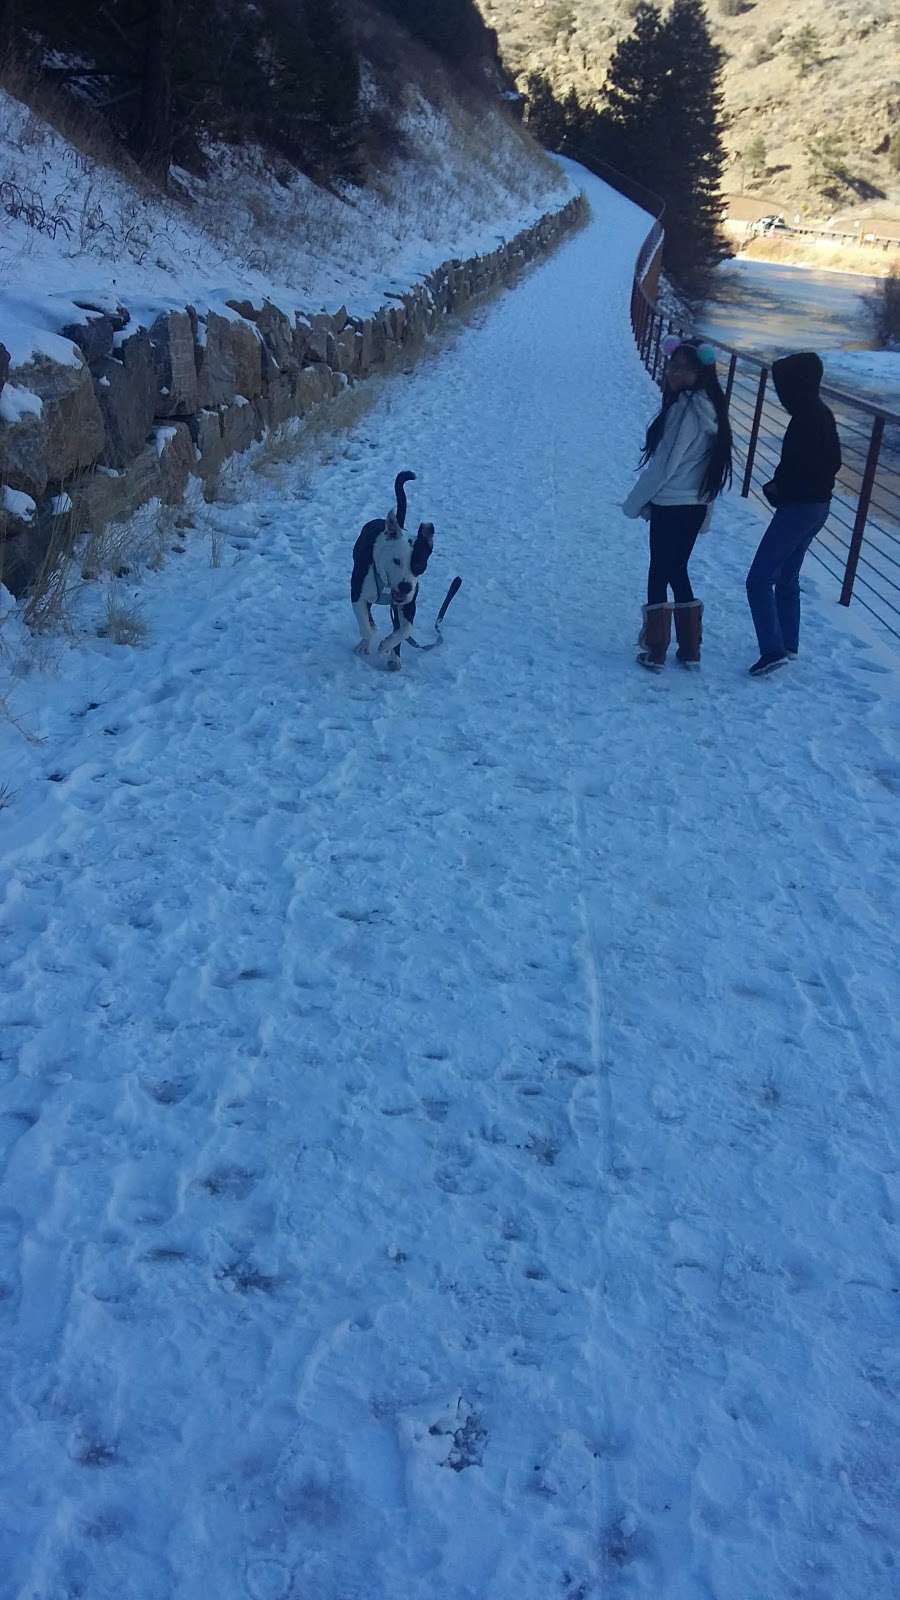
(862, 510)
(659, 328)
(645, 326)
(754, 432)
(729, 381)
(648, 332)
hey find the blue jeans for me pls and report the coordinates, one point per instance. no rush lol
(773, 582)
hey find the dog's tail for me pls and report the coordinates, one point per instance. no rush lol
(401, 479)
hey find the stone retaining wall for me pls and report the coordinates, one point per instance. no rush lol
(138, 410)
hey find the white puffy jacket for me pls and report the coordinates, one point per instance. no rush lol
(674, 474)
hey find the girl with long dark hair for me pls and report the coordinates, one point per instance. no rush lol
(687, 463)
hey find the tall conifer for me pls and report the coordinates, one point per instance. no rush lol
(692, 158)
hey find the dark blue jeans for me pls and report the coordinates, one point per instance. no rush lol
(673, 534)
(773, 582)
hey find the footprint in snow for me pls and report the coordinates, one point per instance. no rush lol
(544, 1150)
(229, 1183)
(169, 1091)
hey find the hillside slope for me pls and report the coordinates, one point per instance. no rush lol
(853, 93)
(455, 173)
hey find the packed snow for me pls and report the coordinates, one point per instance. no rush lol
(450, 1117)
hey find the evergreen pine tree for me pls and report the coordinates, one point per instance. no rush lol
(545, 116)
(691, 156)
(574, 130)
(338, 84)
(154, 126)
(634, 96)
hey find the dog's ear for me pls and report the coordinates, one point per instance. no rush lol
(391, 525)
(422, 548)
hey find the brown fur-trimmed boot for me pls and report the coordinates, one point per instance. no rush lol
(689, 631)
(654, 636)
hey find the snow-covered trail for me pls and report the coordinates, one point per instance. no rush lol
(449, 1119)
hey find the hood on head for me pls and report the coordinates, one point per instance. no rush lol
(797, 378)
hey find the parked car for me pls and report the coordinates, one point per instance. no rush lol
(772, 224)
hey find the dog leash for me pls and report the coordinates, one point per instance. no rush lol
(453, 590)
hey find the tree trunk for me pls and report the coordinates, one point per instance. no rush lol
(154, 131)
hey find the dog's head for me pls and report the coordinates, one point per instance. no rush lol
(392, 555)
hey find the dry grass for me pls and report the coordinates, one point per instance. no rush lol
(48, 608)
(119, 548)
(7, 795)
(7, 715)
(220, 487)
(69, 560)
(122, 624)
(807, 251)
(281, 447)
(305, 436)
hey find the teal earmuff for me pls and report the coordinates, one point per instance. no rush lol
(705, 353)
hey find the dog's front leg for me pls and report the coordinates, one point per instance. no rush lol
(367, 628)
(390, 646)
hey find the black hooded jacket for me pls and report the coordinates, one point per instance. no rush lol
(810, 452)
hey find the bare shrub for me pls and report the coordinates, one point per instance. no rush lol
(27, 204)
(7, 795)
(161, 534)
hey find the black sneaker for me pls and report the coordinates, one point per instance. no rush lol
(768, 664)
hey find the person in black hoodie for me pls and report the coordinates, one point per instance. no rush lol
(801, 494)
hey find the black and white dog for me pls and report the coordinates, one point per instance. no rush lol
(387, 567)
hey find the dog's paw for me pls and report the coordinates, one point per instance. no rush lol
(393, 663)
(361, 649)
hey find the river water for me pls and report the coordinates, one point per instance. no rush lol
(770, 309)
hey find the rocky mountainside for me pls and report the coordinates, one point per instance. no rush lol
(811, 86)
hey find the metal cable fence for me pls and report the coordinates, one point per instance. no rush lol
(860, 543)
